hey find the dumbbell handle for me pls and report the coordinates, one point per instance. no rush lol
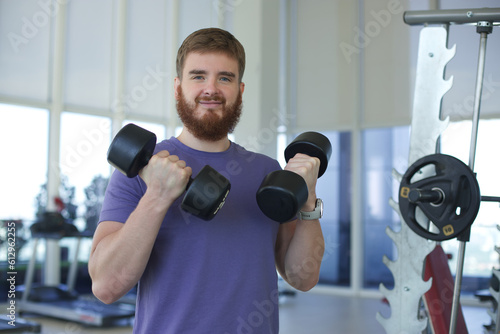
(313, 144)
(146, 160)
(190, 181)
(132, 149)
(206, 193)
(424, 195)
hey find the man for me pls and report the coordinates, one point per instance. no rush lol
(197, 276)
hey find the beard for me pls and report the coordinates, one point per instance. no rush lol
(210, 126)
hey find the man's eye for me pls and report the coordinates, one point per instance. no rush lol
(198, 77)
(226, 79)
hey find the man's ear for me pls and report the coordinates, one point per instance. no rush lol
(242, 87)
(177, 84)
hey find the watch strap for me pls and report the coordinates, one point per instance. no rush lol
(313, 215)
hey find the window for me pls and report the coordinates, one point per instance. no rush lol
(480, 254)
(84, 168)
(384, 149)
(24, 136)
(334, 188)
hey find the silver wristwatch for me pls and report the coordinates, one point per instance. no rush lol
(316, 214)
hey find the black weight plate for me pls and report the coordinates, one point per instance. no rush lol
(281, 195)
(314, 144)
(461, 200)
(206, 193)
(131, 149)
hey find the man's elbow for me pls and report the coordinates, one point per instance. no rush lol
(306, 285)
(104, 293)
(100, 289)
(303, 283)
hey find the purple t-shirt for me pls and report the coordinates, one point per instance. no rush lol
(213, 277)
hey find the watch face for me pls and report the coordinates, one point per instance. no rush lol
(319, 203)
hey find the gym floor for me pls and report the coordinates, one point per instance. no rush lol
(304, 313)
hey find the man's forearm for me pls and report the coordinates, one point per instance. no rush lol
(304, 255)
(118, 260)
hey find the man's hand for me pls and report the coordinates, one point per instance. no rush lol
(166, 176)
(308, 168)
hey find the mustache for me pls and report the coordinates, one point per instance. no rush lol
(210, 99)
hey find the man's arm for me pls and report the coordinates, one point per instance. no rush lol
(119, 251)
(299, 252)
(300, 244)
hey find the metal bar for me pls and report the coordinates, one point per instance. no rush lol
(457, 287)
(490, 199)
(30, 272)
(73, 269)
(472, 156)
(452, 16)
(477, 98)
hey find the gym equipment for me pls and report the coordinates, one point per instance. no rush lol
(63, 302)
(426, 128)
(450, 198)
(494, 291)
(21, 326)
(133, 147)
(436, 265)
(283, 193)
(314, 144)
(14, 325)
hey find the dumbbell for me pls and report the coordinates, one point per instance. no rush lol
(133, 147)
(283, 193)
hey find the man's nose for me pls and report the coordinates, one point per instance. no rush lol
(211, 88)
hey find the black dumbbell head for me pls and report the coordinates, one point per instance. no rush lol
(206, 193)
(313, 144)
(131, 149)
(281, 195)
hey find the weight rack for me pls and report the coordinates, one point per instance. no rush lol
(429, 89)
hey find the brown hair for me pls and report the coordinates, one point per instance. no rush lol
(211, 40)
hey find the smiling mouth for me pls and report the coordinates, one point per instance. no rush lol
(211, 103)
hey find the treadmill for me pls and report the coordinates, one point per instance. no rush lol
(62, 301)
(21, 326)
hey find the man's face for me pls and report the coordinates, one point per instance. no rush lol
(209, 97)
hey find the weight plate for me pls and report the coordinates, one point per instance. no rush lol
(457, 209)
